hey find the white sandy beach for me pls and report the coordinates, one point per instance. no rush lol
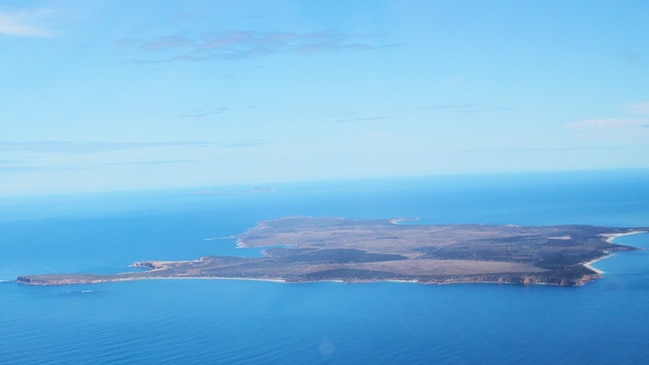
(610, 237)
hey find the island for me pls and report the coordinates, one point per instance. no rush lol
(306, 249)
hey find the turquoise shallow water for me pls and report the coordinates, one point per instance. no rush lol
(247, 322)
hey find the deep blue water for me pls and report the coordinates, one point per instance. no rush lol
(248, 322)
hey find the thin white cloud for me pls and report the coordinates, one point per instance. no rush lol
(27, 166)
(625, 131)
(24, 23)
(455, 107)
(468, 108)
(362, 119)
(639, 108)
(200, 113)
(241, 44)
(248, 143)
(544, 149)
(611, 124)
(83, 147)
(631, 129)
(90, 147)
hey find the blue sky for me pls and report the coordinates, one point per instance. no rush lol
(111, 95)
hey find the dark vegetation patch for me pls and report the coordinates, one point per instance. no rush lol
(329, 256)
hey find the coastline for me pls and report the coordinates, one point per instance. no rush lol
(523, 280)
(209, 278)
(21, 280)
(610, 238)
(399, 220)
(590, 264)
(370, 251)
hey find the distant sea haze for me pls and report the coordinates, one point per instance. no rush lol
(249, 322)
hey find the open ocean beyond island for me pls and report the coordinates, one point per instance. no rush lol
(252, 322)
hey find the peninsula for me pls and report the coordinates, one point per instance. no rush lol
(304, 249)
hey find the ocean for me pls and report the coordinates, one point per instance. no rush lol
(256, 322)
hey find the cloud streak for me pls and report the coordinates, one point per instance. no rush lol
(248, 143)
(628, 131)
(25, 167)
(545, 149)
(241, 45)
(363, 119)
(639, 108)
(89, 147)
(454, 107)
(203, 113)
(631, 129)
(85, 147)
(467, 108)
(611, 124)
(24, 23)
